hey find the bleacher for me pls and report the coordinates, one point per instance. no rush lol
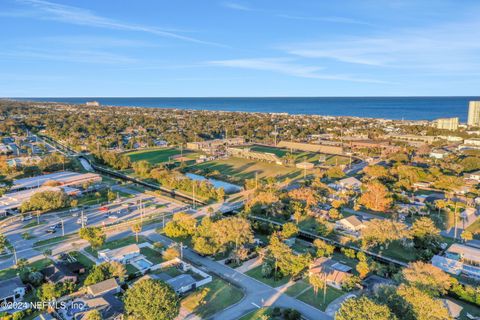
(246, 153)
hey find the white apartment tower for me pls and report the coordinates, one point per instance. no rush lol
(447, 123)
(474, 114)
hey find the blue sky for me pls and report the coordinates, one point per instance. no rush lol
(239, 48)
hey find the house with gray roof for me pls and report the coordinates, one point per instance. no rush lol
(108, 286)
(182, 283)
(11, 290)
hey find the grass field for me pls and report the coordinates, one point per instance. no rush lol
(33, 224)
(34, 266)
(298, 288)
(474, 228)
(258, 314)
(152, 255)
(157, 155)
(303, 156)
(316, 300)
(82, 259)
(237, 170)
(257, 274)
(212, 298)
(43, 245)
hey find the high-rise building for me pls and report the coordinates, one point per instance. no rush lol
(447, 123)
(474, 114)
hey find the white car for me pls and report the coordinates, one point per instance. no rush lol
(113, 217)
(79, 220)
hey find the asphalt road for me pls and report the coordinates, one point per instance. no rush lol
(257, 294)
(95, 217)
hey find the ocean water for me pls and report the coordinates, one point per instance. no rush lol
(409, 108)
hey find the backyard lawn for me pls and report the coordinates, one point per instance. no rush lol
(82, 259)
(396, 251)
(237, 170)
(156, 155)
(257, 274)
(212, 298)
(152, 255)
(131, 270)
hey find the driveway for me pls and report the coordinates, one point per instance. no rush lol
(333, 306)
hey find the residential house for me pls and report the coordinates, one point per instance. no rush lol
(334, 272)
(108, 286)
(350, 224)
(109, 306)
(460, 259)
(11, 290)
(182, 283)
(438, 154)
(59, 272)
(350, 183)
(123, 255)
(473, 175)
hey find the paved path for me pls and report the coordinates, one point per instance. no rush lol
(333, 306)
(256, 292)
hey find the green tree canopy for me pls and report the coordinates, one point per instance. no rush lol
(363, 309)
(151, 300)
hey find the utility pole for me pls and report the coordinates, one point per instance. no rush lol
(193, 194)
(181, 250)
(15, 255)
(83, 220)
(455, 217)
(63, 228)
(324, 287)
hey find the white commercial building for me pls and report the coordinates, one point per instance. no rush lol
(61, 178)
(13, 200)
(447, 123)
(472, 142)
(474, 114)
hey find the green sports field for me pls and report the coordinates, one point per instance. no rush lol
(237, 170)
(157, 155)
(302, 156)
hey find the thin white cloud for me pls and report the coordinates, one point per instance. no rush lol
(452, 47)
(77, 56)
(79, 16)
(343, 20)
(287, 67)
(236, 6)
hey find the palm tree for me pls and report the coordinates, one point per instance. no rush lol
(136, 228)
(440, 204)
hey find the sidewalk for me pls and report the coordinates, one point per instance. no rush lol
(249, 265)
